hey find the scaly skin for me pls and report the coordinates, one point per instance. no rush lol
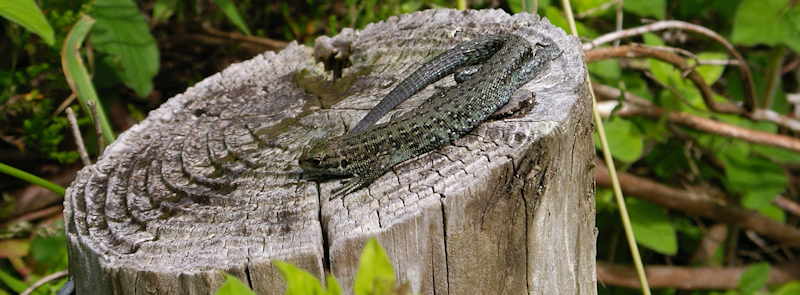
(367, 154)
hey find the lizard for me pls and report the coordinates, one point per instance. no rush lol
(367, 153)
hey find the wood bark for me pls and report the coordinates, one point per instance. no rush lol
(209, 181)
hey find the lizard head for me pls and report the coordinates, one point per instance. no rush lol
(323, 159)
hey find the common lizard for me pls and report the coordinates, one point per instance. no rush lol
(507, 61)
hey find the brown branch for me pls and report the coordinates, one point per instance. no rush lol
(646, 109)
(55, 209)
(699, 205)
(746, 77)
(638, 51)
(787, 205)
(266, 42)
(690, 278)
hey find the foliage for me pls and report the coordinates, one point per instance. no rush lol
(375, 276)
(123, 60)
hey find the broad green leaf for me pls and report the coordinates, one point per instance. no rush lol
(332, 286)
(757, 179)
(76, 74)
(27, 14)
(754, 278)
(558, 20)
(652, 40)
(607, 68)
(710, 73)
(582, 6)
(777, 154)
(625, 140)
(652, 227)
(790, 288)
(122, 32)
(654, 8)
(14, 248)
(634, 83)
(773, 212)
(768, 22)
(233, 286)
(298, 281)
(51, 249)
(233, 14)
(375, 274)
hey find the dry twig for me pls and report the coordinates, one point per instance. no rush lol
(700, 205)
(746, 77)
(690, 278)
(78, 139)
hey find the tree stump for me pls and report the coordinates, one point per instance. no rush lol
(210, 180)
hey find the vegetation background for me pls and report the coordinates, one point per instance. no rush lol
(710, 162)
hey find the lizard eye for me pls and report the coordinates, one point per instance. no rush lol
(343, 163)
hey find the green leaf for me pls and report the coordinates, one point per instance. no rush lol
(77, 76)
(375, 274)
(607, 68)
(333, 287)
(51, 249)
(773, 212)
(754, 278)
(654, 8)
(652, 228)
(582, 6)
(298, 281)
(710, 73)
(558, 20)
(626, 141)
(768, 22)
(759, 180)
(13, 283)
(233, 286)
(163, 9)
(122, 32)
(789, 288)
(233, 14)
(27, 14)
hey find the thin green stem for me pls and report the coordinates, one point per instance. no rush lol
(32, 179)
(612, 171)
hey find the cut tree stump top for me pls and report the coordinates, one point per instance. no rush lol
(210, 180)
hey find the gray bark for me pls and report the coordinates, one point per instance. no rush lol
(210, 181)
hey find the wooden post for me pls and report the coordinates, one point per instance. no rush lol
(210, 180)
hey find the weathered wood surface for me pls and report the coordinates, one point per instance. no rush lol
(210, 181)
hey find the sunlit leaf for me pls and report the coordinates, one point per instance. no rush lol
(298, 281)
(626, 143)
(375, 274)
(233, 286)
(27, 14)
(773, 212)
(754, 278)
(646, 8)
(710, 73)
(768, 22)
